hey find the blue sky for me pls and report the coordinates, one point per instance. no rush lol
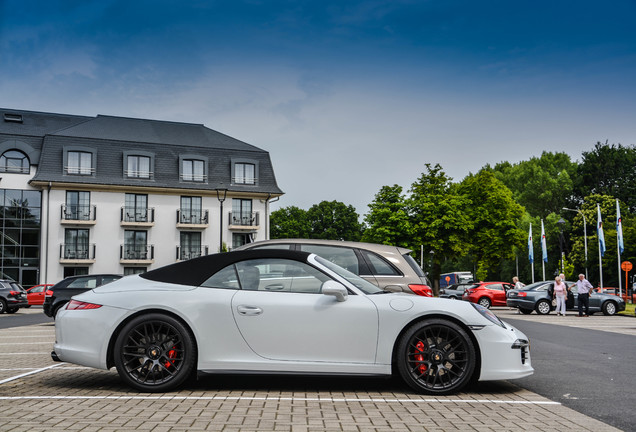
(347, 96)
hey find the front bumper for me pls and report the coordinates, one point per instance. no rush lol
(505, 353)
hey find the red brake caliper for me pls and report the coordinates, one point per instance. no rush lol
(172, 354)
(419, 348)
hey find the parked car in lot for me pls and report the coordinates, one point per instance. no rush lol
(35, 294)
(59, 294)
(455, 291)
(538, 297)
(389, 267)
(488, 294)
(281, 311)
(12, 296)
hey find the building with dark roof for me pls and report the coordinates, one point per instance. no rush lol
(106, 194)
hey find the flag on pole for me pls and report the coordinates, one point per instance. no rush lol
(530, 247)
(619, 227)
(599, 230)
(544, 247)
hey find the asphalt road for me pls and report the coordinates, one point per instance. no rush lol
(590, 371)
(20, 318)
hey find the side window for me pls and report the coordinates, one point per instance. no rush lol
(341, 256)
(496, 287)
(87, 282)
(279, 275)
(108, 279)
(225, 279)
(379, 266)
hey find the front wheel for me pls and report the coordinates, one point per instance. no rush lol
(155, 353)
(543, 307)
(436, 356)
(609, 308)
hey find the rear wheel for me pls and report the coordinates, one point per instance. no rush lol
(3, 306)
(485, 302)
(436, 357)
(155, 353)
(543, 307)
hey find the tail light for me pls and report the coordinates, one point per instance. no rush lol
(423, 290)
(14, 293)
(48, 293)
(521, 294)
(79, 305)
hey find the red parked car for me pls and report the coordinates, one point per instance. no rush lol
(35, 294)
(488, 293)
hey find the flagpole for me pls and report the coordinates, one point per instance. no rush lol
(619, 246)
(600, 264)
(601, 242)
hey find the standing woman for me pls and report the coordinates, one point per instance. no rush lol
(560, 293)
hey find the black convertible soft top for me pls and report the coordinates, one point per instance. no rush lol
(197, 270)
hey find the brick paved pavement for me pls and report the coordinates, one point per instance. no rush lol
(37, 394)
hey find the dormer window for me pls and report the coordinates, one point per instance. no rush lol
(14, 161)
(245, 173)
(193, 169)
(79, 163)
(138, 167)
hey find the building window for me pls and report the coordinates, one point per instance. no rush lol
(193, 170)
(138, 167)
(242, 212)
(191, 211)
(78, 205)
(75, 271)
(239, 239)
(76, 244)
(14, 161)
(135, 245)
(190, 246)
(79, 163)
(136, 208)
(245, 173)
(134, 270)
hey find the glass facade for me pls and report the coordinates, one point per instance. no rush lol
(20, 236)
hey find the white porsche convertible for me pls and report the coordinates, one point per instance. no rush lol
(277, 311)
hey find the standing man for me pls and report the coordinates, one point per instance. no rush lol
(584, 289)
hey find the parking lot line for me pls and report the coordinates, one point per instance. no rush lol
(284, 399)
(30, 373)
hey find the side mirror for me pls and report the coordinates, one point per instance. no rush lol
(336, 289)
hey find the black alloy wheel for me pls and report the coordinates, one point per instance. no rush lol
(154, 353)
(436, 357)
(3, 306)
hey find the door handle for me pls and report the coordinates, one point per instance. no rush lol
(249, 310)
(275, 287)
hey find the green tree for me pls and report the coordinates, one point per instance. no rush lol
(333, 220)
(542, 185)
(608, 170)
(494, 215)
(439, 217)
(289, 222)
(388, 220)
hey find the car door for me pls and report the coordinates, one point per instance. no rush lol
(497, 294)
(282, 315)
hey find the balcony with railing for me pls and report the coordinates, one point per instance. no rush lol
(76, 214)
(192, 219)
(186, 253)
(244, 221)
(134, 216)
(77, 254)
(136, 254)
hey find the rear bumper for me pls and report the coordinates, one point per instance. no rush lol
(520, 303)
(16, 303)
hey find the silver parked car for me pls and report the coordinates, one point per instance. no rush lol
(281, 311)
(388, 267)
(538, 297)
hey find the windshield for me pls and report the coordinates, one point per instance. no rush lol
(357, 281)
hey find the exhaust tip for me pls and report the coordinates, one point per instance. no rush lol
(55, 357)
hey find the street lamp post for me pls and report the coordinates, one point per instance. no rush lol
(561, 222)
(221, 193)
(584, 234)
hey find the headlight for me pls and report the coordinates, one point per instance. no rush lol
(488, 315)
